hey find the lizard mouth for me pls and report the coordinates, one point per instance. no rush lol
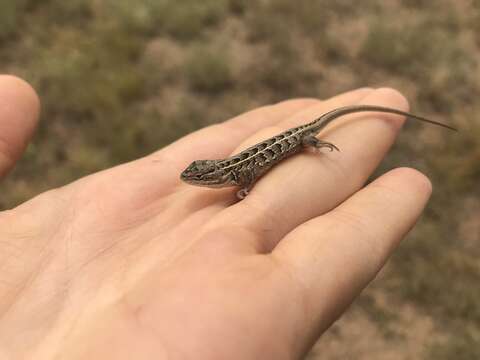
(204, 181)
(189, 179)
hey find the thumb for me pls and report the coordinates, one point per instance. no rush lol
(19, 109)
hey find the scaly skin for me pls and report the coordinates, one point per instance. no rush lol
(246, 167)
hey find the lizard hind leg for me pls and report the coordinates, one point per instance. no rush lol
(245, 179)
(242, 193)
(311, 140)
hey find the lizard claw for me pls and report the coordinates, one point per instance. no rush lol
(313, 141)
(331, 147)
(242, 194)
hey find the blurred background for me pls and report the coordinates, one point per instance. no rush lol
(121, 78)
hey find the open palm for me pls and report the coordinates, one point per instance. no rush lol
(130, 263)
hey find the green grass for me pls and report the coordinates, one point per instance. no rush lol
(119, 79)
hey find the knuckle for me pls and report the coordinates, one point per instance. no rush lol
(366, 237)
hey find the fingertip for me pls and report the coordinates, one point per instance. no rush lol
(394, 97)
(19, 110)
(23, 93)
(407, 180)
(418, 180)
(391, 98)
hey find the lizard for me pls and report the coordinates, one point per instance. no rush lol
(246, 167)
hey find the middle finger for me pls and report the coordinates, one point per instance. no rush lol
(310, 184)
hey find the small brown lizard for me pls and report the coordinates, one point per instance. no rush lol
(244, 168)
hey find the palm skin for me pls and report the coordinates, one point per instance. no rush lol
(132, 263)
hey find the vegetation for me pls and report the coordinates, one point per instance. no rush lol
(119, 79)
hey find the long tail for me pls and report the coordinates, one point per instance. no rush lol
(328, 117)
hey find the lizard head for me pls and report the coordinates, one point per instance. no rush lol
(204, 173)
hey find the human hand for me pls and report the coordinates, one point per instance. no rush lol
(132, 263)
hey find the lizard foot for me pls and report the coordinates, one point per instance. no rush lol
(242, 193)
(313, 141)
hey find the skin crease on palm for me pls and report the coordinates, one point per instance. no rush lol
(131, 263)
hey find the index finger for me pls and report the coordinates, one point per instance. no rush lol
(162, 168)
(219, 140)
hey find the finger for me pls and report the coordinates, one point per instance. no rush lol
(310, 183)
(154, 174)
(218, 141)
(336, 255)
(19, 109)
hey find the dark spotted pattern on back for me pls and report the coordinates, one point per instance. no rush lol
(267, 153)
(246, 167)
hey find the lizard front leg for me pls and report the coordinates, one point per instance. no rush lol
(311, 140)
(245, 179)
(243, 192)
